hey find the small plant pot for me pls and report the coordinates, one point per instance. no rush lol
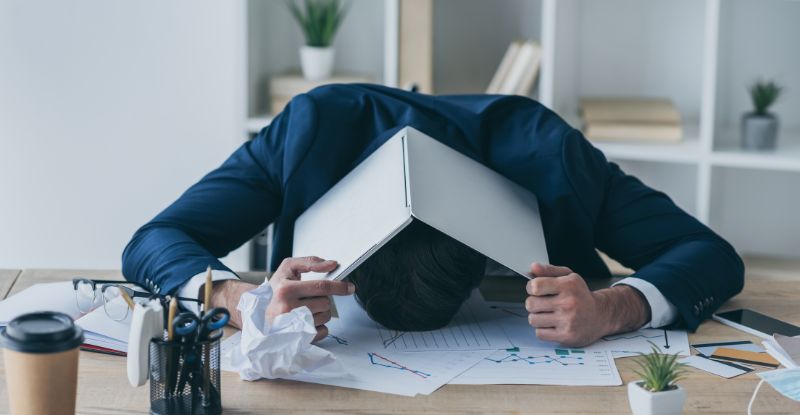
(644, 402)
(317, 63)
(759, 132)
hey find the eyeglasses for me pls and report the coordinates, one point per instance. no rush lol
(87, 299)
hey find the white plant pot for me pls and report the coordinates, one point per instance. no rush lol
(644, 402)
(317, 63)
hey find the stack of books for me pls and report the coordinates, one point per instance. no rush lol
(518, 69)
(631, 119)
(284, 87)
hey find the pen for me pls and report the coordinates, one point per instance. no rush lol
(206, 347)
(127, 298)
(207, 298)
(173, 310)
(172, 357)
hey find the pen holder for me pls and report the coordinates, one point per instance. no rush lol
(185, 379)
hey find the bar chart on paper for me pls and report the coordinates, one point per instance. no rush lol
(543, 366)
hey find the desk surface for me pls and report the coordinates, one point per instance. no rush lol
(103, 387)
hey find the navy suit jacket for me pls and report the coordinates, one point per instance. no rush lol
(586, 202)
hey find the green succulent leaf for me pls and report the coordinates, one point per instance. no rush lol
(764, 94)
(659, 371)
(318, 19)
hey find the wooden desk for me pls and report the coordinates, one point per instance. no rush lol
(103, 387)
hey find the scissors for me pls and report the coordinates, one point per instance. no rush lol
(193, 330)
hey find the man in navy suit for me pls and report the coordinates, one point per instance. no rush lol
(684, 271)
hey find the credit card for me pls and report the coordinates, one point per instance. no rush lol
(725, 369)
(743, 356)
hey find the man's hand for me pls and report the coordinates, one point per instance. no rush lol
(563, 310)
(288, 292)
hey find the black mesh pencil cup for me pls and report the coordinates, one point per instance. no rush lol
(185, 377)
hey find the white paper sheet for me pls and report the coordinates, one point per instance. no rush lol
(387, 371)
(101, 330)
(636, 342)
(55, 296)
(474, 327)
(514, 319)
(543, 366)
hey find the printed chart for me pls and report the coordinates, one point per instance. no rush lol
(378, 360)
(543, 366)
(474, 327)
(633, 343)
(465, 332)
(364, 364)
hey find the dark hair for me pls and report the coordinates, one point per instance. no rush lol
(418, 280)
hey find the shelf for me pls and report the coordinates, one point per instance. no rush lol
(254, 125)
(686, 151)
(629, 48)
(786, 157)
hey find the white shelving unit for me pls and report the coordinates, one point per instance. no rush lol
(702, 54)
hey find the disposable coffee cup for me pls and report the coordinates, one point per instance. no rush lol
(41, 361)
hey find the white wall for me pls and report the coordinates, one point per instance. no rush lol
(108, 111)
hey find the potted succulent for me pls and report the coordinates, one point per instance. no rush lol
(319, 21)
(760, 127)
(656, 392)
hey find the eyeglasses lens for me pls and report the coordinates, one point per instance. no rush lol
(115, 305)
(84, 295)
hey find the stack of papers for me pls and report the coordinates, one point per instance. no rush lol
(486, 343)
(784, 349)
(101, 332)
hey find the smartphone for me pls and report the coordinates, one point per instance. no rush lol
(756, 324)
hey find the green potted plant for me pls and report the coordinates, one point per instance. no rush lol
(657, 393)
(760, 127)
(319, 20)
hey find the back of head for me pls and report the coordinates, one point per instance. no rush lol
(418, 280)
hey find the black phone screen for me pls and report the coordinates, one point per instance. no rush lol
(760, 322)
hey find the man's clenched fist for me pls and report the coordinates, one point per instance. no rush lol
(563, 309)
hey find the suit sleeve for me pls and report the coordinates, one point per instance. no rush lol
(694, 268)
(216, 215)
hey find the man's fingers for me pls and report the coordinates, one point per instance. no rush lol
(291, 268)
(315, 304)
(548, 334)
(322, 318)
(543, 320)
(541, 304)
(319, 288)
(547, 270)
(543, 286)
(322, 332)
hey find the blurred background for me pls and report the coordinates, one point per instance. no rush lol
(110, 109)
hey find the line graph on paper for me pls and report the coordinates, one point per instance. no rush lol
(339, 340)
(381, 361)
(636, 342)
(543, 366)
(562, 357)
(469, 330)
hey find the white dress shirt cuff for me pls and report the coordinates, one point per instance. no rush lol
(662, 312)
(191, 288)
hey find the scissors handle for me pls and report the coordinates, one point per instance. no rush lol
(185, 324)
(215, 319)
